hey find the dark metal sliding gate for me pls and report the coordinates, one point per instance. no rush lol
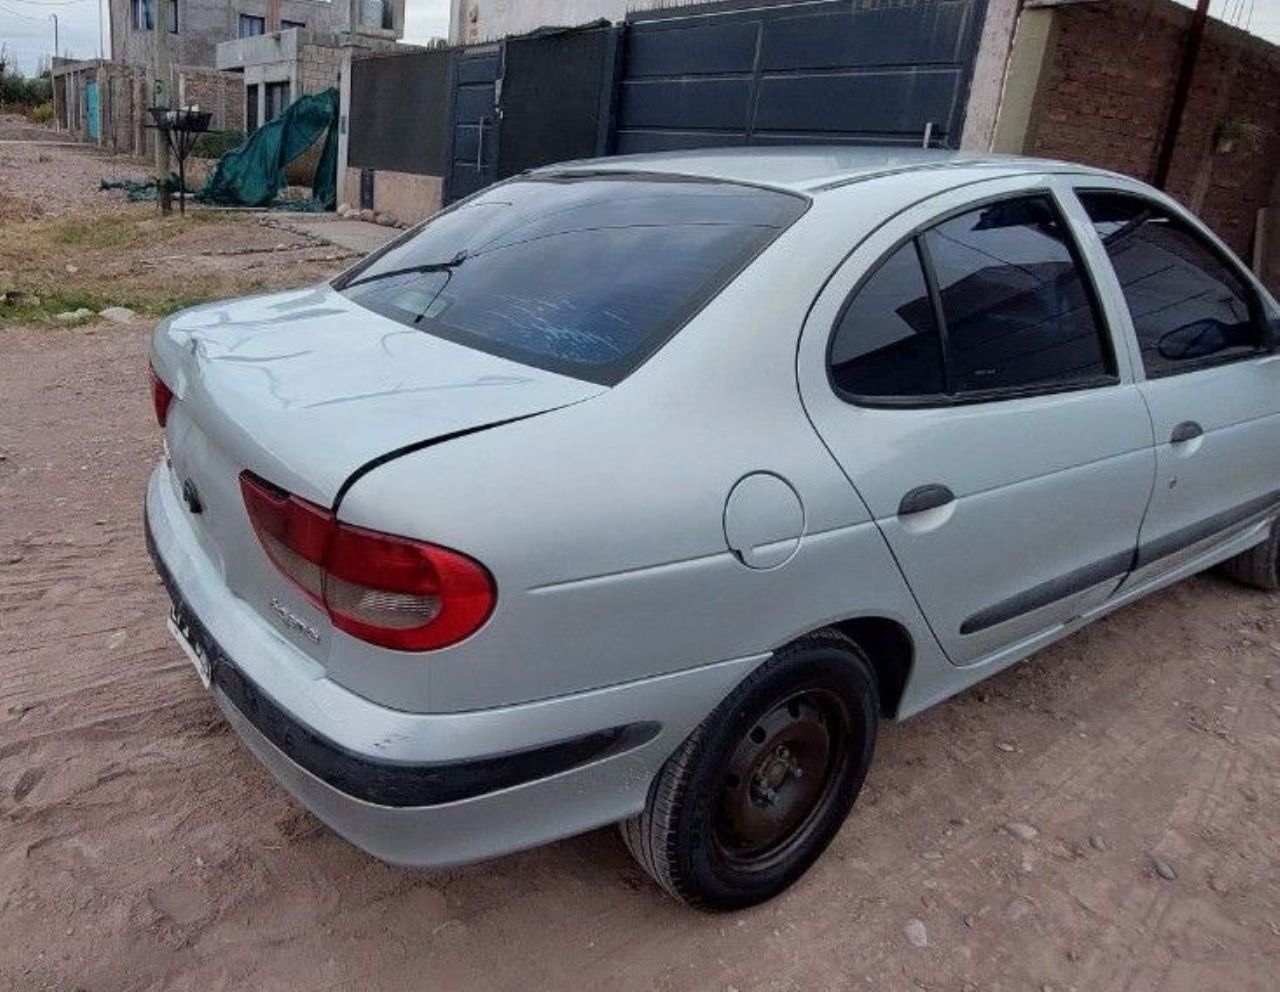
(742, 72)
(864, 72)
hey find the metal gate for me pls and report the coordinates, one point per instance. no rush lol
(815, 71)
(474, 120)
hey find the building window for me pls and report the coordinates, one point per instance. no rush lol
(251, 25)
(143, 15)
(251, 108)
(277, 95)
(377, 14)
(285, 25)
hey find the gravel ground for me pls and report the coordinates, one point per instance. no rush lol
(39, 180)
(1103, 817)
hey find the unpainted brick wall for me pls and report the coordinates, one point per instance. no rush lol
(125, 98)
(221, 93)
(1109, 78)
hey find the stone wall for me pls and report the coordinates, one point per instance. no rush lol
(320, 67)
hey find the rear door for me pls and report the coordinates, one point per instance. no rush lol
(1211, 380)
(959, 368)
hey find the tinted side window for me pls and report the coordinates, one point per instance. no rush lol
(1188, 306)
(1017, 310)
(887, 342)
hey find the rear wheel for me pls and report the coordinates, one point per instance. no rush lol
(759, 789)
(1259, 566)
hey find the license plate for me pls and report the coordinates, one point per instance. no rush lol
(182, 634)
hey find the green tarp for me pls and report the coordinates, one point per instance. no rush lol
(253, 174)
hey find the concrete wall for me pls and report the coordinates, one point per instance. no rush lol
(1094, 83)
(989, 70)
(320, 67)
(405, 197)
(482, 20)
(204, 24)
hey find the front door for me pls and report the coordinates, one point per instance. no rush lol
(1212, 382)
(976, 400)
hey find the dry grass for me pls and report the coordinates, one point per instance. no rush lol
(135, 258)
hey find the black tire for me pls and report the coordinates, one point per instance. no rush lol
(707, 832)
(1257, 567)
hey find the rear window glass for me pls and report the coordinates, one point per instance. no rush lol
(583, 275)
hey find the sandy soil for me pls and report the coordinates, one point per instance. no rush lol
(1025, 825)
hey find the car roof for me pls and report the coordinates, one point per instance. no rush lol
(812, 169)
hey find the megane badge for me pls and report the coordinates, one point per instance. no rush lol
(292, 621)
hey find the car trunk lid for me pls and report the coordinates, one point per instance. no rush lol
(306, 390)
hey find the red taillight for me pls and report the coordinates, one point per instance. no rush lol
(387, 590)
(161, 396)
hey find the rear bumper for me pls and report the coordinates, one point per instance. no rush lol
(425, 789)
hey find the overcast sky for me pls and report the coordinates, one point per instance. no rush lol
(26, 29)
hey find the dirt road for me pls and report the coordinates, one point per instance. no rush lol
(1027, 826)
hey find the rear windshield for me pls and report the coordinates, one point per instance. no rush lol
(586, 275)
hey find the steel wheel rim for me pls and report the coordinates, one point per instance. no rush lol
(780, 779)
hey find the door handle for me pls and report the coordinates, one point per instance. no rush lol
(480, 146)
(1186, 431)
(923, 498)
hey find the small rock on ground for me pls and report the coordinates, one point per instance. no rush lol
(117, 315)
(917, 934)
(1163, 868)
(1023, 831)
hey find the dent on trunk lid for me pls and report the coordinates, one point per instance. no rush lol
(305, 388)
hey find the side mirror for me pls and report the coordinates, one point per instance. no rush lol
(1271, 334)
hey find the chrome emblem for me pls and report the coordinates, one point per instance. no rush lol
(291, 621)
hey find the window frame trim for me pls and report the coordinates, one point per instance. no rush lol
(1258, 316)
(1106, 333)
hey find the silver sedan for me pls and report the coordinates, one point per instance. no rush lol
(640, 490)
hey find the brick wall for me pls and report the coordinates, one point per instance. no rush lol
(125, 98)
(221, 93)
(1108, 83)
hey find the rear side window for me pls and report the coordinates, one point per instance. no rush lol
(988, 303)
(1017, 310)
(887, 342)
(1189, 307)
(583, 275)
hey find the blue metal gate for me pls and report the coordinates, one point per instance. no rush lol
(815, 71)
